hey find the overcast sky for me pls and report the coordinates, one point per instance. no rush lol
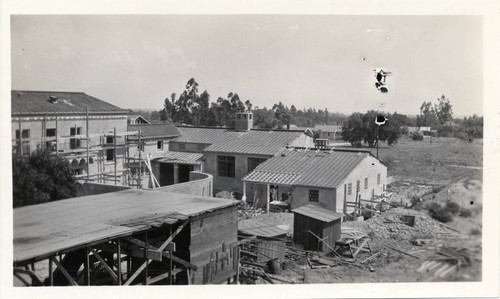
(302, 60)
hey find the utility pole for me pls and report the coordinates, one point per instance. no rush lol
(114, 150)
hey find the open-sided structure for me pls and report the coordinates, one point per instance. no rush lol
(128, 237)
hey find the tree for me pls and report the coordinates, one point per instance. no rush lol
(41, 177)
(443, 110)
(427, 117)
(362, 128)
(169, 110)
(281, 115)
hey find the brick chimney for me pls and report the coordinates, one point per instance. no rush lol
(243, 121)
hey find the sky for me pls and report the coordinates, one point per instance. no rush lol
(316, 61)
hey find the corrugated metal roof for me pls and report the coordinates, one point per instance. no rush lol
(203, 135)
(259, 228)
(314, 168)
(182, 158)
(37, 102)
(152, 131)
(272, 178)
(254, 142)
(318, 213)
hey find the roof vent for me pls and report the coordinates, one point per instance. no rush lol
(53, 99)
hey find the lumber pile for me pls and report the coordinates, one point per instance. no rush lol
(448, 260)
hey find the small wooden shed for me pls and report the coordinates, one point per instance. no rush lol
(311, 219)
(269, 243)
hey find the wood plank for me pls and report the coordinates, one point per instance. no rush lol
(163, 276)
(359, 248)
(64, 272)
(136, 273)
(104, 264)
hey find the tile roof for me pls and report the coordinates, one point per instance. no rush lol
(181, 157)
(37, 102)
(203, 135)
(254, 142)
(134, 117)
(259, 228)
(273, 178)
(318, 213)
(314, 168)
(328, 128)
(153, 131)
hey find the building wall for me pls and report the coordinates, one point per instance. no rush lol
(213, 239)
(200, 184)
(302, 141)
(98, 125)
(225, 183)
(327, 197)
(187, 147)
(364, 170)
(150, 147)
(302, 224)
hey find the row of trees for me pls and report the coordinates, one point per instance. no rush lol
(439, 116)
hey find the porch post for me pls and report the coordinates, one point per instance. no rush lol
(267, 197)
(176, 173)
(244, 197)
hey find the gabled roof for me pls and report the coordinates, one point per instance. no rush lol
(38, 102)
(203, 135)
(254, 142)
(318, 213)
(134, 117)
(323, 169)
(154, 131)
(181, 158)
(328, 128)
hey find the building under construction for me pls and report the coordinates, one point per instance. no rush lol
(128, 237)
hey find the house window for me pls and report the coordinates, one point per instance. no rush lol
(366, 183)
(378, 179)
(313, 195)
(26, 142)
(182, 146)
(357, 186)
(74, 142)
(249, 116)
(110, 154)
(159, 145)
(254, 162)
(50, 132)
(109, 139)
(226, 166)
(349, 189)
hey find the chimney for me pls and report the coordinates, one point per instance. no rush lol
(53, 99)
(243, 121)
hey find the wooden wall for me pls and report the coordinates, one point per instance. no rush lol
(302, 224)
(213, 246)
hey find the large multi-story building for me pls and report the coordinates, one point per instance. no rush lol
(89, 132)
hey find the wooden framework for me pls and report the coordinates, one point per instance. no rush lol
(126, 260)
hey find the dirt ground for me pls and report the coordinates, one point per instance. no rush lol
(446, 170)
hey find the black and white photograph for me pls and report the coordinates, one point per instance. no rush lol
(277, 150)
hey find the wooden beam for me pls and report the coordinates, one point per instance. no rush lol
(64, 272)
(163, 276)
(172, 236)
(139, 270)
(119, 261)
(133, 250)
(179, 260)
(104, 264)
(359, 248)
(51, 275)
(34, 279)
(22, 279)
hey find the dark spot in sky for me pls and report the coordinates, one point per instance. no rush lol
(471, 202)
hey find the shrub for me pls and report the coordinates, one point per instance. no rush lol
(387, 160)
(440, 213)
(465, 213)
(417, 136)
(452, 207)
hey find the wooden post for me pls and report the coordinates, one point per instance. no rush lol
(267, 197)
(57, 139)
(20, 149)
(140, 163)
(87, 266)
(51, 275)
(244, 197)
(170, 260)
(114, 150)
(119, 261)
(87, 132)
(176, 173)
(146, 258)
